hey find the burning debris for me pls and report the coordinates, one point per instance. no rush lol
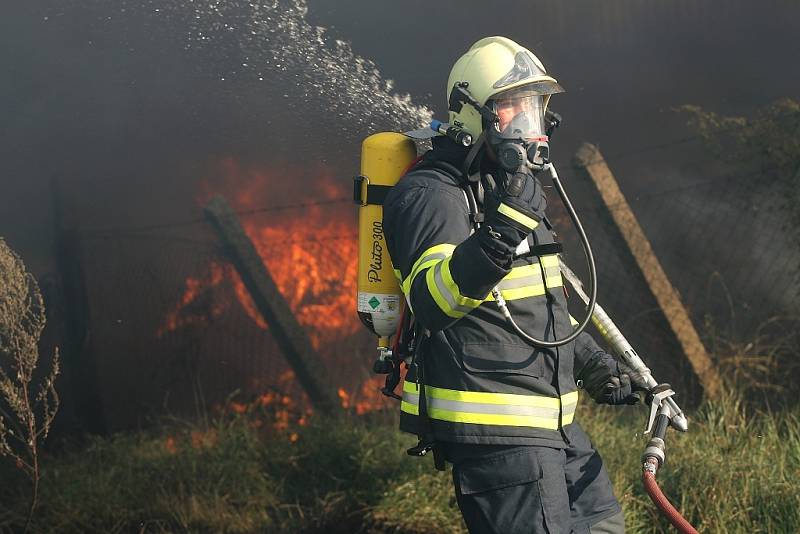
(310, 252)
(298, 244)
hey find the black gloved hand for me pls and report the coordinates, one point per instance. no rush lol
(513, 216)
(524, 185)
(605, 382)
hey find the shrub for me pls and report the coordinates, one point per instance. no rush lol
(27, 409)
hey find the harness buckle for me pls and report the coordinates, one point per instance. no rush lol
(423, 448)
(420, 449)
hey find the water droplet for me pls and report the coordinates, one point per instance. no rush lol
(323, 72)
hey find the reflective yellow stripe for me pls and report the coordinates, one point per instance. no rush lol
(523, 271)
(569, 403)
(411, 387)
(551, 260)
(521, 218)
(445, 291)
(477, 407)
(484, 397)
(555, 281)
(572, 321)
(440, 295)
(398, 275)
(427, 259)
(491, 398)
(407, 407)
(520, 293)
(522, 282)
(526, 280)
(453, 287)
(569, 398)
(418, 268)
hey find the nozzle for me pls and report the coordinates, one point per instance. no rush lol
(680, 423)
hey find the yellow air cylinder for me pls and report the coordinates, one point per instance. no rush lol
(384, 157)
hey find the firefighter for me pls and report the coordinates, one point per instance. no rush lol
(496, 407)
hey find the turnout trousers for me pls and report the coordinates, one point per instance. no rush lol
(523, 489)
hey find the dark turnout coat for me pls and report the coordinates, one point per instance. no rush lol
(475, 380)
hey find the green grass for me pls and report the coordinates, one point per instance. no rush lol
(733, 472)
(159, 483)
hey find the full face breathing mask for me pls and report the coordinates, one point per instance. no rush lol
(518, 138)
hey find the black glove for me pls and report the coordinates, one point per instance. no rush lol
(604, 381)
(512, 217)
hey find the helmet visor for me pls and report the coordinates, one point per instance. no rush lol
(520, 115)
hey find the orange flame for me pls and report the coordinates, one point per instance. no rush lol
(310, 250)
(203, 439)
(170, 445)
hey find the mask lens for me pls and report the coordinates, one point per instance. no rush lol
(520, 116)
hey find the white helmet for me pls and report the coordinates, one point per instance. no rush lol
(498, 69)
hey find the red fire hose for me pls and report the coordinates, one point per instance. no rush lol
(658, 498)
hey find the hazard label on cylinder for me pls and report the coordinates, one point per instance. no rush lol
(378, 303)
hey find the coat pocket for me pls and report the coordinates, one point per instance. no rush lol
(493, 472)
(508, 494)
(496, 357)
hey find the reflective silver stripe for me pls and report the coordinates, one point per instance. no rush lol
(421, 264)
(484, 408)
(411, 398)
(445, 293)
(569, 404)
(525, 281)
(410, 402)
(501, 409)
(427, 259)
(552, 272)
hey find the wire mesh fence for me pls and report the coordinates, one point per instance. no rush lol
(724, 243)
(173, 331)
